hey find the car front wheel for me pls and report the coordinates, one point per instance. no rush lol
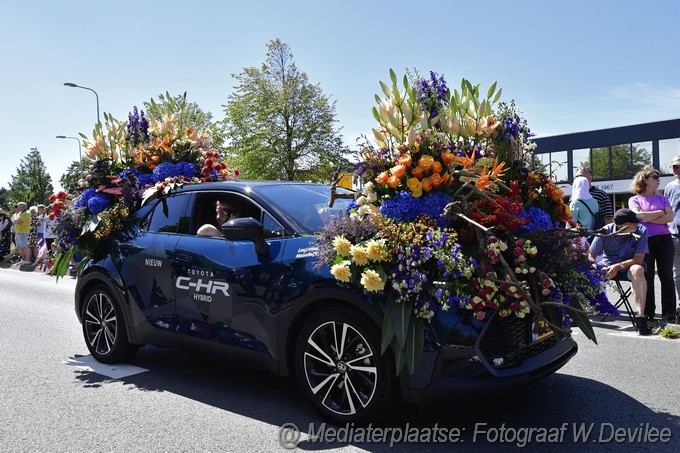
(104, 327)
(339, 366)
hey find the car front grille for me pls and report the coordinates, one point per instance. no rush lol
(507, 341)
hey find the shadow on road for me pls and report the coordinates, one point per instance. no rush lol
(563, 405)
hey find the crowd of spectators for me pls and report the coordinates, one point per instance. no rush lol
(26, 236)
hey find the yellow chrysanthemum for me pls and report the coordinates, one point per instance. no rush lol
(342, 246)
(359, 255)
(341, 272)
(372, 281)
(375, 250)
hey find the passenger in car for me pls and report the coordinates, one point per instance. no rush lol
(224, 211)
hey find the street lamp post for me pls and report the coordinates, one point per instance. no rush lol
(73, 85)
(80, 152)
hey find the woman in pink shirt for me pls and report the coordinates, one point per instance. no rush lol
(656, 213)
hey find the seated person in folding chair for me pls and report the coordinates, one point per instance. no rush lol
(224, 211)
(623, 257)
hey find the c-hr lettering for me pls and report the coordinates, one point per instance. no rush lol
(208, 287)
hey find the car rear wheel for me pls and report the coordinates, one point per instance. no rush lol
(104, 327)
(339, 366)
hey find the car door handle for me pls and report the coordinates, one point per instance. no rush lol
(183, 259)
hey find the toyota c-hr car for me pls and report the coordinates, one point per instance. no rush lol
(256, 295)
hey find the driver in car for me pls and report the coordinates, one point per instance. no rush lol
(224, 211)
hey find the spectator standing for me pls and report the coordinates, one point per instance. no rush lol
(672, 192)
(5, 234)
(584, 207)
(50, 235)
(22, 226)
(42, 223)
(33, 233)
(656, 212)
(603, 200)
(623, 257)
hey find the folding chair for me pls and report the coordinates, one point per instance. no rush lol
(624, 299)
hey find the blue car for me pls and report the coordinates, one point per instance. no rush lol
(256, 294)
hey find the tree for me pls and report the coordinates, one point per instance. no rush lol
(32, 183)
(280, 125)
(626, 160)
(69, 180)
(4, 198)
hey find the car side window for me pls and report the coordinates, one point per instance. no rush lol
(169, 215)
(272, 228)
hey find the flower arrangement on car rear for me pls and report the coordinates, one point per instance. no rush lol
(451, 216)
(131, 161)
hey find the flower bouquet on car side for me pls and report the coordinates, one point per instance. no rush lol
(129, 161)
(452, 215)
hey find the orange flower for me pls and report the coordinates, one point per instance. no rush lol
(465, 161)
(426, 162)
(448, 157)
(436, 180)
(498, 169)
(427, 184)
(417, 172)
(398, 170)
(382, 178)
(483, 182)
(437, 167)
(393, 181)
(404, 159)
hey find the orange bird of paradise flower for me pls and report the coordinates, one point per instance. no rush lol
(466, 161)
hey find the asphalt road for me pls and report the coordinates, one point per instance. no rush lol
(623, 393)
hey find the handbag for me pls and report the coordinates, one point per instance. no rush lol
(599, 222)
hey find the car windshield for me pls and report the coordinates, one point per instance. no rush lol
(306, 205)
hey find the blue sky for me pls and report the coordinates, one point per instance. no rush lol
(569, 66)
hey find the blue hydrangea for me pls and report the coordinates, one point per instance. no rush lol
(540, 220)
(123, 174)
(165, 170)
(186, 169)
(81, 201)
(97, 203)
(146, 179)
(404, 207)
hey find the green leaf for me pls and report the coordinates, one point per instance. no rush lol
(399, 359)
(376, 115)
(388, 327)
(414, 344)
(492, 88)
(393, 77)
(385, 89)
(498, 95)
(90, 224)
(401, 317)
(582, 321)
(406, 82)
(377, 99)
(61, 263)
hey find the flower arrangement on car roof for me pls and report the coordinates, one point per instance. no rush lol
(451, 216)
(129, 162)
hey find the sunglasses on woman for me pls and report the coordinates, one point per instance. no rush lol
(654, 176)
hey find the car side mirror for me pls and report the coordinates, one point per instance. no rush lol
(246, 229)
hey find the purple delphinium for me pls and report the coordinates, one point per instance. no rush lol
(432, 93)
(138, 128)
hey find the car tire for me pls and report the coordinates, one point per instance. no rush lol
(104, 327)
(340, 369)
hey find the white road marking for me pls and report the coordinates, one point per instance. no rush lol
(89, 363)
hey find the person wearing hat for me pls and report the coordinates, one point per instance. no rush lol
(622, 253)
(672, 192)
(22, 226)
(603, 200)
(656, 212)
